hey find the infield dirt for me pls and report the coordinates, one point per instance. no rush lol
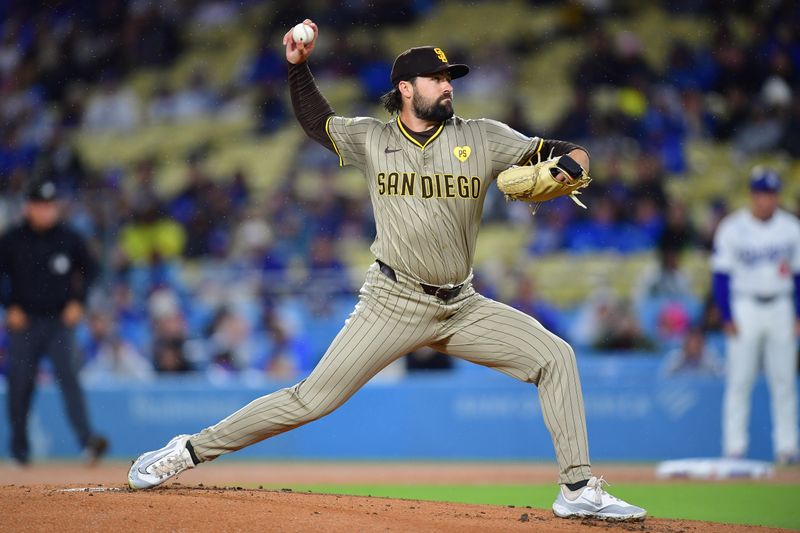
(33, 499)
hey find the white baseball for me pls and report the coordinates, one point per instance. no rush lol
(302, 33)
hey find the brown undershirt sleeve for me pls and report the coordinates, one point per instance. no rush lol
(310, 107)
(552, 148)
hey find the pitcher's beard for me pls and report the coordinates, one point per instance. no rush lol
(439, 111)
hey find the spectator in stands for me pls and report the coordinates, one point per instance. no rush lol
(16, 156)
(197, 99)
(577, 122)
(61, 161)
(790, 139)
(734, 68)
(648, 224)
(717, 210)
(228, 340)
(490, 77)
(664, 129)
(517, 119)
(267, 67)
(678, 232)
(197, 188)
(599, 64)
(373, 71)
(693, 358)
(548, 235)
(688, 69)
(663, 298)
(151, 238)
(139, 191)
(324, 212)
(664, 280)
(327, 274)
(602, 231)
(761, 132)
(701, 124)
(527, 300)
(674, 320)
(169, 333)
(110, 356)
(251, 238)
(287, 354)
(162, 108)
(151, 33)
(356, 222)
(735, 114)
(10, 50)
(113, 108)
(633, 69)
(649, 180)
(606, 322)
(234, 104)
(131, 316)
(272, 110)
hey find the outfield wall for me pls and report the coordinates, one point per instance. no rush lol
(471, 413)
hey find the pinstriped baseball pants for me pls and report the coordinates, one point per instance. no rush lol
(393, 318)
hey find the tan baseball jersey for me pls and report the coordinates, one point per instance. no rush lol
(428, 199)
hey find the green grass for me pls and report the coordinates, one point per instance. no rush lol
(735, 503)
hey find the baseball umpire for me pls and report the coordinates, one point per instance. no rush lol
(427, 172)
(46, 270)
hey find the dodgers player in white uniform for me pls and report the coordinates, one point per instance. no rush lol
(756, 266)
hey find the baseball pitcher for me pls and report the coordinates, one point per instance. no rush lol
(427, 172)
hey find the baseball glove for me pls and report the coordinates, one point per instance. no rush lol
(537, 183)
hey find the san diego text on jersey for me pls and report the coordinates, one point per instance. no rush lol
(436, 186)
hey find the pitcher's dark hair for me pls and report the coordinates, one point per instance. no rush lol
(392, 101)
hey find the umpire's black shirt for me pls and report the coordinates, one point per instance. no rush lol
(42, 270)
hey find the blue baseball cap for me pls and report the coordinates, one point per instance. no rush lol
(764, 180)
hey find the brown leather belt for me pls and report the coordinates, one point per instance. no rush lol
(443, 292)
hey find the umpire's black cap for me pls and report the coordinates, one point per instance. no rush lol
(424, 60)
(42, 191)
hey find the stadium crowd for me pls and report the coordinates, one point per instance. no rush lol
(218, 279)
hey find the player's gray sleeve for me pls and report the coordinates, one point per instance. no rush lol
(506, 146)
(349, 137)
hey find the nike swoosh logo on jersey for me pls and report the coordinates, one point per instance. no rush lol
(390, 151)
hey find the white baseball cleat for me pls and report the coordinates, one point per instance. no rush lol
(154, 468)
(592, 501)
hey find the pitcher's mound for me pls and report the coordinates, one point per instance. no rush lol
(199, 508)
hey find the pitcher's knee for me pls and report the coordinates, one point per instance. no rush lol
(311, 405)
(560, 358)
(555, 357)
(561, 353)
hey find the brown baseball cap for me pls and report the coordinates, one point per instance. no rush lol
(422, 61)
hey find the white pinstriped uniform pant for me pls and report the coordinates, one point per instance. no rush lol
(393, 318)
